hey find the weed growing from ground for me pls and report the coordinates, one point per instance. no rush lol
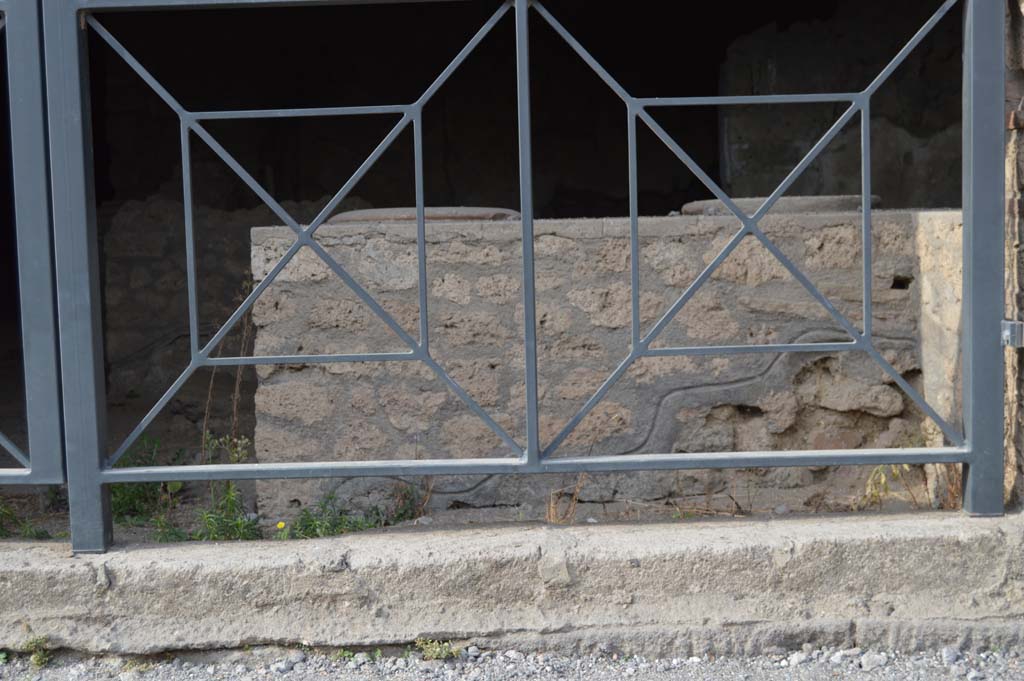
(877, 487)
(141, 504)
(328, 518)
(436, 650)
(11, 525)
(38, 650)
(227, 520)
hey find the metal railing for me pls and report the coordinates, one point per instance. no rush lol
(43, 462)
(90, 466)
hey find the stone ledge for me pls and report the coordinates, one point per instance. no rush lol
(595, 228)
(726, 587)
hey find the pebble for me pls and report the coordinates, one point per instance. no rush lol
(870, 661)
(804, 664)
(950, 655)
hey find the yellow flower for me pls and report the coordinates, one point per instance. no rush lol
(280, 525)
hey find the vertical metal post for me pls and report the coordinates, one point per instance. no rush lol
(983, 182)
(532, 453)
(634, 229)
(78, 282)
(32, 222)
(866, 225)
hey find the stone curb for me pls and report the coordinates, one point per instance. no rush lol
(902, 582)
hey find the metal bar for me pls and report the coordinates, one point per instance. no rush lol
(443, 77)
(601, 72)
(301, 113)
(250, 299)
(983, 295)
(32, 222)
(948, 430)
(153, 412)
(909, 47)
(628, 462)
(136, 66)
(325, 469)
(805, 162)
(244, 175)
(533, 453)
(867, 246)
(13, 450)
(634, 229)
(421, 230)
(693, 166)
(472, 404)
(310, 359)
(357, 176)
(228, 4)
(15, 476)
(740, 100)
(78, 281)
(590, 404)
(780, 459)
(692, 289)
(806, 283)
(751, 349)
(190, 241)
(364, 295)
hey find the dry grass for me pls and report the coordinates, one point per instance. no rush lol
(562, 502)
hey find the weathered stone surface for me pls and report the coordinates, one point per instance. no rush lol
(445, 214)
(785, 204)
(678, 589)
(664, 404)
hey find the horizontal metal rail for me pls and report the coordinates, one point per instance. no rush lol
(624, 462)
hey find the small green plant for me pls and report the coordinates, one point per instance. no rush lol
(3, 657)
(328, 518)
(11, 525)
(166, 531)
(342, 655)
(7, 519)
(227, 520)
(436, 650)
(138, 504)
(38, 650)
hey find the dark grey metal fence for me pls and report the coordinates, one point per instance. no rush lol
(43, 462)
(90, 465)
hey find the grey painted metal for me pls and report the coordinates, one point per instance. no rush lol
(227, 4)
(44, 461)
(78, 285)
(984, 150)
(867, 246)
(90, 469)
(532, 453)
(327, 469)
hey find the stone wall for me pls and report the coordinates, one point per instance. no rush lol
(402, 410)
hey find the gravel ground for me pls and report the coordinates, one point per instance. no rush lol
(476, 665)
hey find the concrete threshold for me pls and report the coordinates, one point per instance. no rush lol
(902, 582)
